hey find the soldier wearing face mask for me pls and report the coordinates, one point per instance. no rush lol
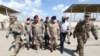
(53, 32)
(37, 28)
(28, 31)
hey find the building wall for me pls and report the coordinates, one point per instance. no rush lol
(4, 19)
(73, 24)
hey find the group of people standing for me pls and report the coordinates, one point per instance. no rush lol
(45, 34)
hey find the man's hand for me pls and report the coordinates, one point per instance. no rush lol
(74, 36)
(70, 33)
(7, 36)
(24, 34)
(96, 38)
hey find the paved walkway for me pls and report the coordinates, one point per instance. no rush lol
(92, 48)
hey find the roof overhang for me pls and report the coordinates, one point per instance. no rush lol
(81, 8)
(4, 9)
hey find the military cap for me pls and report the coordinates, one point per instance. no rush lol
(87, 14)
(13, 17)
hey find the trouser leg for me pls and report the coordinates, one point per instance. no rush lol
(62, 39)
(17, 43)
(39, 41)
(61, 42)
(29, 39)
(68, 37)
(46, 40)
(80, 46)
(17, 47)
(53, 43)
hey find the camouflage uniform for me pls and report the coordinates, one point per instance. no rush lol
(37, 30)
(16, 30)
(28, 32)
(81, 31)
(53, 33)
(46, 33)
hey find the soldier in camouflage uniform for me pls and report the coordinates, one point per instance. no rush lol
(28, 32)
(46, 38)
(82, 30)
(53, 32)
(37, 30)
(16, 29)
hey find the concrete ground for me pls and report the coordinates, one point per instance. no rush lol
(92, 48)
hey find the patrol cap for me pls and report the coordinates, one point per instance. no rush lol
(53, 18)
(12, 17)
(87, 14)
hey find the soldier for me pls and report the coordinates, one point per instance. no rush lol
(64, 28)
(16, 29)
(2, 25)
(53, 32)
(82, 30)
(46, 38)
(37, 29)
(28, 31)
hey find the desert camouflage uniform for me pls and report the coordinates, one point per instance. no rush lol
(82, 33)
(53, 33)
(28, 33)
(16, 30)
(37, 30)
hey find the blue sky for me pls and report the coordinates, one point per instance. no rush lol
(29, 8)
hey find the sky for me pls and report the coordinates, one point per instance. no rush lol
(29, 8)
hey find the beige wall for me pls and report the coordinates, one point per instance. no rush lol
(73, 24)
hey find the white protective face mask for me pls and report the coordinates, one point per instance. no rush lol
(28, 21)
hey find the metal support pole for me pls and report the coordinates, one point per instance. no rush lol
(6, 12)
(93, 15)
(74, 16)
(97, 13)
(71, 15)
(85, 9)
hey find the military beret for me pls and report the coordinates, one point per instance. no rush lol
(35, 17)
(53, 18)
